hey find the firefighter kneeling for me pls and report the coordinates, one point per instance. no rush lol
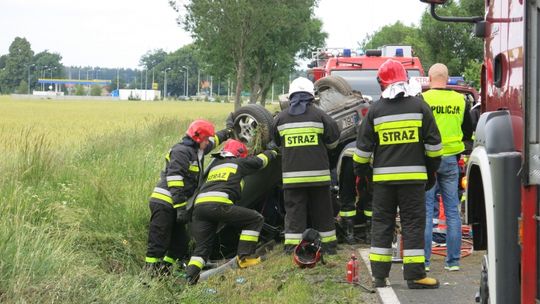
(215, 204)
(401, 166)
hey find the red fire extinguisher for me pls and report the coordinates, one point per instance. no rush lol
(352, 270)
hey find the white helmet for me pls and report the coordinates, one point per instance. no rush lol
(301, 84)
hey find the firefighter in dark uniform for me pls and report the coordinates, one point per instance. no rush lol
(215, 204)
(167, 237)
(304, 133)
(355, 195)
(401, 135)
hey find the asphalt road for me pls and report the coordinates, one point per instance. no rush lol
(457, 287)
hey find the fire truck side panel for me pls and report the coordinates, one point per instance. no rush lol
(494, 159)
(531, 167)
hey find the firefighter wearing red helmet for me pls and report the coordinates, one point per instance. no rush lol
(167, 237)
(215, 204)
(401, 136)
(305, 133)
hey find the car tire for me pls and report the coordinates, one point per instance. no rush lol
(250, 118)
(336, 82)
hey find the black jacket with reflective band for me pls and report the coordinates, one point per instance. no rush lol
(403, 138)
(180, 177)
(224, 181)
(304, 140)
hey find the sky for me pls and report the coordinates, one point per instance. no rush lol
(116, 33)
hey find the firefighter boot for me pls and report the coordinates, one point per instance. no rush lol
(192, 274)
(349, 230)
(425, 283)
(367, 234)
(246, 261)
(379, 282)
(158, 269)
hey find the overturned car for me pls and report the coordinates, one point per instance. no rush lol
(262, 191)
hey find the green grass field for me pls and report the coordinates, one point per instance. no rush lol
(75, 181)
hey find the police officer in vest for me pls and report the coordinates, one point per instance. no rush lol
(451, 113)
(304, 132)
(400, 134)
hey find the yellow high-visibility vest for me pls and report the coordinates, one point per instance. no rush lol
(448, 108)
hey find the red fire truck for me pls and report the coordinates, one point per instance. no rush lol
(504, 166)
(359, 69)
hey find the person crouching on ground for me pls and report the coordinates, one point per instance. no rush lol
(167, 237)
(215, 204)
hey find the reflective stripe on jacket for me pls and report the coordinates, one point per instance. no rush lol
(402, 137)
(180, 177)
(224, 181)
(304, 141)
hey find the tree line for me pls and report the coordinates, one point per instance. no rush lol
(250, 45)
(433, 41)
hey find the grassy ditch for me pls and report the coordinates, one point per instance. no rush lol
(75, 214)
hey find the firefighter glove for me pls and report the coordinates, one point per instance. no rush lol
(272, 146)
(229, 122)
(182, 216)
(432, 179)
(361, 169)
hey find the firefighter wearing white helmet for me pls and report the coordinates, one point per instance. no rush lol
(305, 133)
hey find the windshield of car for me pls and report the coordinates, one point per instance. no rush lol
(365, 81)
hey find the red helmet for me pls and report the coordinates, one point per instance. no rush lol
(391, 71)
(308, 252)
(236, 148)
(199, 130)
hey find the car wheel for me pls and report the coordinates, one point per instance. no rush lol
(252, 125)
(336, 82)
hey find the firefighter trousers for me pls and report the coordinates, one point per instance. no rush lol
(412, 211)
(207, 217)
(315, 204)
(167, 239)
(354, 189)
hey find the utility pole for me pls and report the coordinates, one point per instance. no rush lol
(186, 91)
(198, 81)
(165, 84)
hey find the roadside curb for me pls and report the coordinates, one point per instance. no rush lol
(386, 294)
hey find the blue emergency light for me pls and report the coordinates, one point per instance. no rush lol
(346, 52)
(399, 52)
(456, 80)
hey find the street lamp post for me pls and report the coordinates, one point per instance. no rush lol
(165, 84)
(186, 86)
(198, 81)
(43, 76)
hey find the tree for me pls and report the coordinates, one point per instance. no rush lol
(472, 72)
(293, 31)
(230, 34)
(95, 90)
(17, 62)
(433, 41)
(451, 43)
(152, 58)
(79, 90)
(47, 65)
(399, 34)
